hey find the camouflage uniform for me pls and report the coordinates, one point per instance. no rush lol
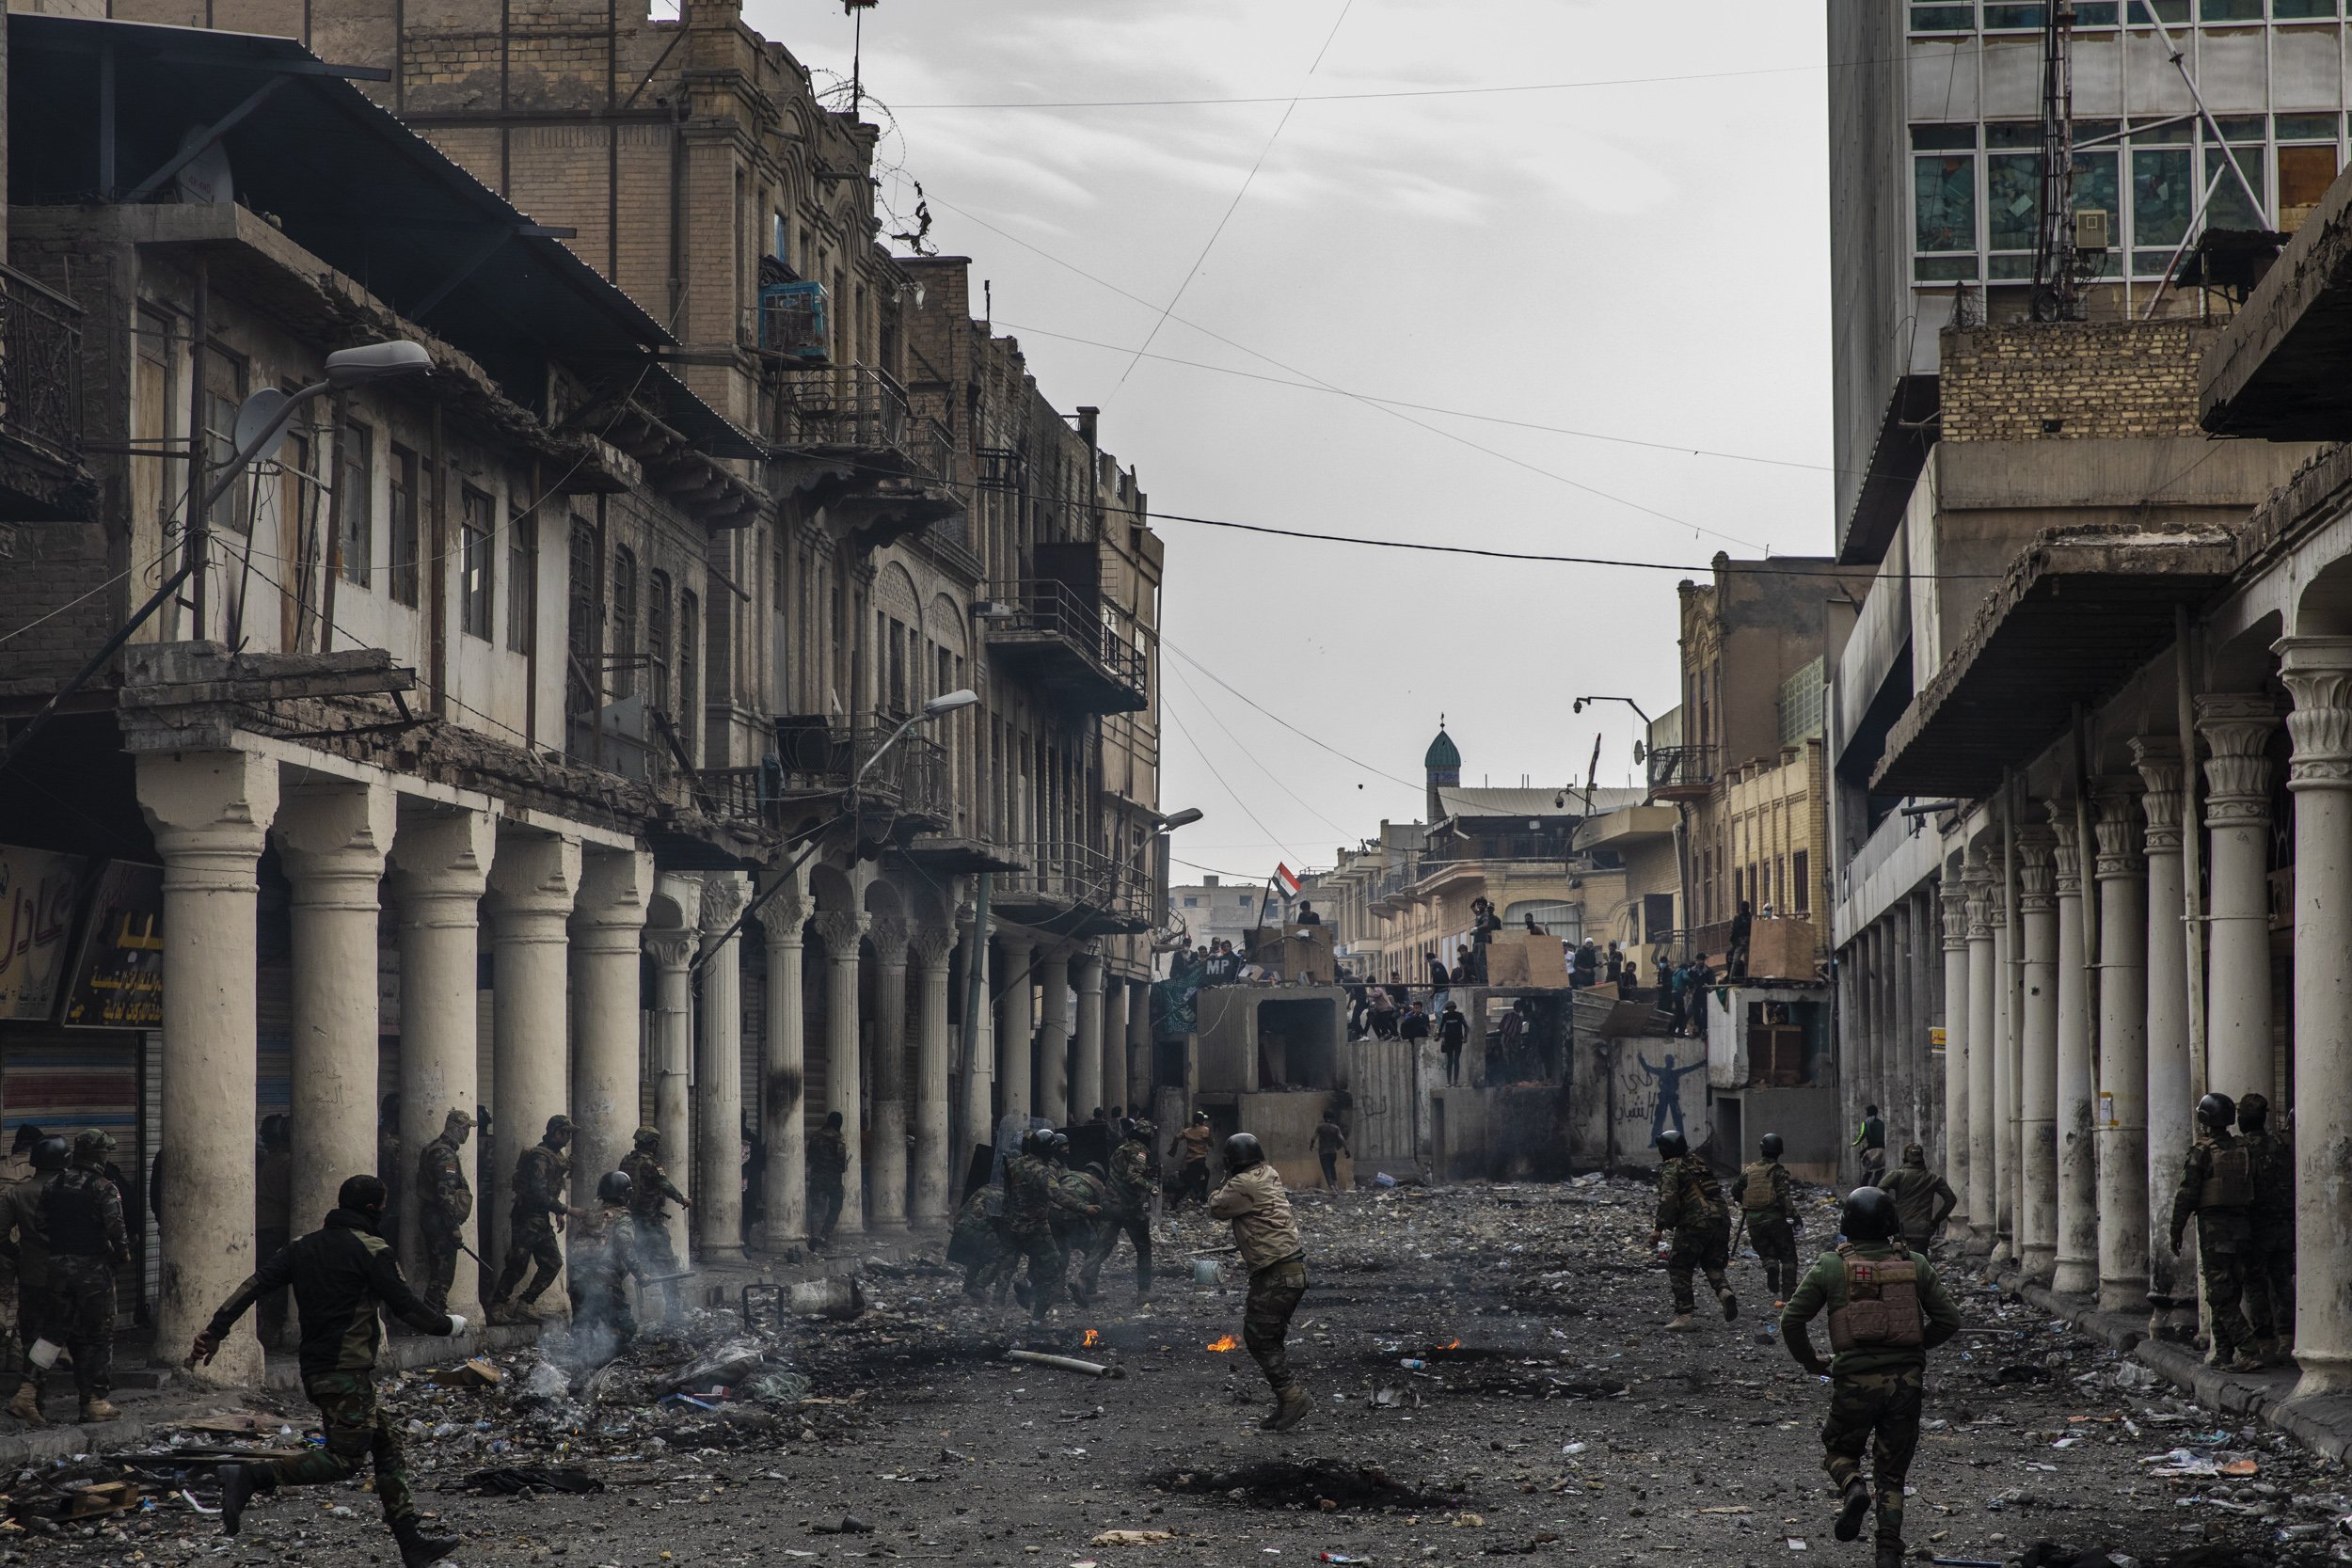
(979, 1245)
(81, 1217)
(1192, 1177)
(1691, 1205)
(1923, 1199)
(1762, 1192)
(445, 1203)
(2217, 1187)
(20, 1234)
(1032, 1192)
(1876, 1387)
(1087, 1241)
(828, 1164)
(1266, 1233)
(650, 1195)
(540, 1178)
(2270, 1255)
(1131, 1189)
(604, 1258)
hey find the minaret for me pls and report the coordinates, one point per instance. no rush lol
(1443, 765)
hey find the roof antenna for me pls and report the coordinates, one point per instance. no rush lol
(857, 9)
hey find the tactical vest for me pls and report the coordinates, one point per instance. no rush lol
(2229, 1179)
(1757, 1195)
(1882, 1307)
(74, 1217)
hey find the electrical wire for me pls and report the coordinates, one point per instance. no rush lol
(1247, 751)
(1280, 720)
(1203, 754)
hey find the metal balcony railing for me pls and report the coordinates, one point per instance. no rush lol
(910, 778)
(1029, 606)
(856, 408)
(1066, 872)
(41, 367)
(1681, 771)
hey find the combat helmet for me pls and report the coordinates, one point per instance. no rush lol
(1770, 1145)
(1869, 1215)
(2253, 1113)
(1242, 1151)
(2216, 1112)
(1672, 1145)
(614, 1187)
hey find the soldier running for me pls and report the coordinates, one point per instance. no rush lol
(605, 1257)
(1266, 1233)
(1761, 1190)
(1923, 1199)
(444, 1204)
(81, 1218)
(1886, 1310)
(2217, 1187)
(1330, 1140)
(21, 1241)
(1193, 1140)
(342, 1276)
(650, 1195)
(979, 1246)
(2270, 1255)
(1088, 1237)
(1691, 1205)
(828, 1168)
(542, 1175)
(1131, 1188)
(1032, 1192)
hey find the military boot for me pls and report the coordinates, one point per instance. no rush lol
(1852, 1509)
(1291, 1410)
(1682, 1324)
(25, 1407)
(418, 1548)
(1731, 1302)
(99, 1410)
(238, 1482)
(2247, 1361)
(1890, 1555)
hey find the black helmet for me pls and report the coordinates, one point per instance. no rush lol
(49, 1155)
(1869, 1215)
(615, 1187)
(2216, 1111)
(1242, 1151)
(2252, 1112)
(1057, 1146)
(1672, 1145)
(1770, 1145)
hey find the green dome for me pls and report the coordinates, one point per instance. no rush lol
(1443, 754)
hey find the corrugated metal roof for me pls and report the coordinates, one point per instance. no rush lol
(1460, 801)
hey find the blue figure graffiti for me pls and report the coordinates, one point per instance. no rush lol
(1669, 1094)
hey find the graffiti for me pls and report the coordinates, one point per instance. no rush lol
(1668, 1110)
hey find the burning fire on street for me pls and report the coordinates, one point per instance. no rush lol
(1224, 1342)
(1093, 1339)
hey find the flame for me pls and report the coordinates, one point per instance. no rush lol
(1224, 1342)
(1091, 1339)
(1455, 1345)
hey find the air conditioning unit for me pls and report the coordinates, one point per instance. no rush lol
(2091, 228)
(794, 321)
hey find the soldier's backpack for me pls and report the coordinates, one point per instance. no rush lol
(1757, 1195)
(2229, 1179)
(1882, 1307)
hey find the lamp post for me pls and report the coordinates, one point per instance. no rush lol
(261, 426)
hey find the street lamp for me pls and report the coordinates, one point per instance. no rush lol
(260, 424)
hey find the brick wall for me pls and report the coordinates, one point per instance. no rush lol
(2075, 381)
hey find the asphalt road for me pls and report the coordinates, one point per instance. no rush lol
(1551, 1419)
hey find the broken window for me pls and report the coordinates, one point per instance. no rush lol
(2227, 207)
(624, 682)
(2096, 190)
(474, 611)
(1944, 201)
(689, 666)
(2162, 198)
(356, 522)
(658, 641)
(522, 582)
(405, 477)
(224, 391)
(2304, 172)
(580, 632)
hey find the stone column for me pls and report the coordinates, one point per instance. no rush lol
(1015, 955)
(210, 813)
(1952, 1156)
(2170, 1100)
(1085, 1089)
(2120, 1120)
(533, 881)
(2008, 1171)
(2318, 674)
(1053, 1034)
(332, 839)
(1113, 1028)
(2077, 1259)
(2236, 732)
(1139, 1064)
(783, 1069)
(607, 1010)
(1873, 1083)
(1927, 985)
(1902, 1119)
(2036, 1089)
(669, 1041)
(889, 1202)
(842, 931)
(978, 1085)
(718, 1163)
(933, 1179)
(1983, 1051)
(440, 866)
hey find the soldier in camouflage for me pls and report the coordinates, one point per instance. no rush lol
(81, 1217)
(536, 1218)
(1691, 1205)
(980, 1247)
(2217, 1189)
(1886, 1310)
(828, 1168)
(2270, 1258)
(1088, 1237)
(444, 1204)
(21, 1241)
(604, 1259)
(1032, 1192)
(1266, 1233)
(650, 1195)
(1761, 1190)
(1131, 1188)
(1923, 1199)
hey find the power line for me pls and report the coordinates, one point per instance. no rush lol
(1284, 722)
(1246, 750)
(1203, 754)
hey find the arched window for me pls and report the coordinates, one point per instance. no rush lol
(581, 678)
(658, 641)
(624, 652)
(690, 700)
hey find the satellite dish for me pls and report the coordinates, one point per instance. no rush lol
(264, 411)
(1640, 752)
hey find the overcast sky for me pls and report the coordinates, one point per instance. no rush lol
(1643, 262)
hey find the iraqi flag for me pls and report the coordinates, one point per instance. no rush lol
(1285, 880)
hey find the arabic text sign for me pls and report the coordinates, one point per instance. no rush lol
(39, 893)
(118, 978)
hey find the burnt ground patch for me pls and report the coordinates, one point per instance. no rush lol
(1313, 1484)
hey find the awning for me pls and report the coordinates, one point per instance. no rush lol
(2075, 616)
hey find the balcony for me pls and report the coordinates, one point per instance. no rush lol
(811, 771)
(1045, 631)
(1681, 772)
(855, 444)
(41, 474)
(1074, 889)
